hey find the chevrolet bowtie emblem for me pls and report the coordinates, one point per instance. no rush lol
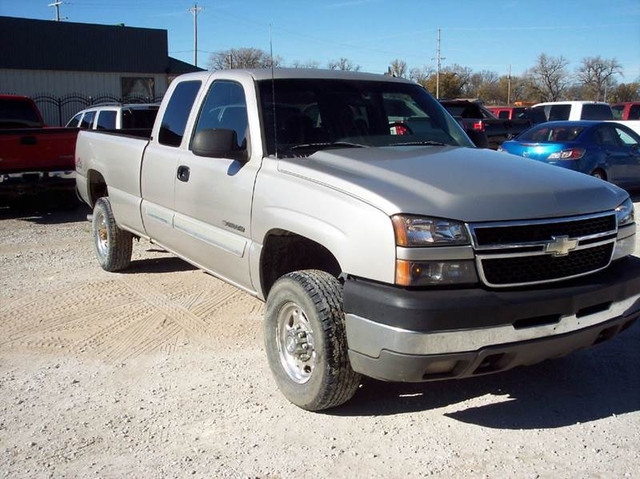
(560, 246)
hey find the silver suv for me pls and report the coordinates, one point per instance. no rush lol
(115, 116)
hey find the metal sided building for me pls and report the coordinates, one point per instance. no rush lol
(83, 63)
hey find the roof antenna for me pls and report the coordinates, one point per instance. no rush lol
(273, 94)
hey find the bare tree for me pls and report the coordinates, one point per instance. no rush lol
(307, 64)
(398, 68)
(421, 75)
(242, 58)
(548, 79)
(597, 75)
(343, 64)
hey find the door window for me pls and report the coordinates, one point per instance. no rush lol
(176, 115)
(225, 108)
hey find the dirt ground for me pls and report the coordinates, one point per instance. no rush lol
(161, 372)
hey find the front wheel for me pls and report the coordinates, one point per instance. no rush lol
(113, 246)
(306, 341)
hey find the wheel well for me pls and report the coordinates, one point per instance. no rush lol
(97, 186)
(284, 252)
(601, 172)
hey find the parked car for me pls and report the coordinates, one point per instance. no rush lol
(475, 118)
(605, 149)
(628, 110)
(575, 110)
(116, 117)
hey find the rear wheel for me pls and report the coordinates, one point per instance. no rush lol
(113, 246)
(306, 341)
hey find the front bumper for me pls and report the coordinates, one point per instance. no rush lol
(407, 335)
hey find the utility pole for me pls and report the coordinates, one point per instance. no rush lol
(438, 66)
(509, 87)
(195, 10)
(57, 5)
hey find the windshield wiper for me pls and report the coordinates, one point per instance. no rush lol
(323, 145)
(420, 143)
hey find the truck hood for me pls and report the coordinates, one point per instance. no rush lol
(465, 184)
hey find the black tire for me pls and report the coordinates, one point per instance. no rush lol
(306, 341)
(113, 246)
(598, 173)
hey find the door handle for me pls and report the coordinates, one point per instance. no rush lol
(183, 173)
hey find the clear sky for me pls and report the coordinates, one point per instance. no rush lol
(480, 34)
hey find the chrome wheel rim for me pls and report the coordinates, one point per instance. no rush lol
(101, 234)
(294, 336)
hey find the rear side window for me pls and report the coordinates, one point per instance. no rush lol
(504, 114)
(75, 121)
(176, 115)
(559, 112)
(106, 120)
(634, 112)
(87, 119)
(596, 112)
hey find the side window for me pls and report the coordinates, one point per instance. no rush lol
(625, 138)
(634, 112)
(606, 136)
(504, 114)
(559, 112)
(75, 121)
(87, 119)
(106, 120)
(176, 115)
(225, 108)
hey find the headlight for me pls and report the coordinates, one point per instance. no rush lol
(625, 213)
(435, 273)
(422, 231)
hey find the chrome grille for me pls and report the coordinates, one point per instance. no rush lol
(543, 251)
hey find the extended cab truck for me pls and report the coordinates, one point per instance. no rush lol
(410, 257)
(33, 157)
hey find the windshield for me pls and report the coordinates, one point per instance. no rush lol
(550, 134)
(312, 114)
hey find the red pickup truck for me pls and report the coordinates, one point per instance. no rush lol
(628, 110)
(33, 157)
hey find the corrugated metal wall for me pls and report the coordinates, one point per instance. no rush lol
(32, 83)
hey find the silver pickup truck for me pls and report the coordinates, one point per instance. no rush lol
(382, 241)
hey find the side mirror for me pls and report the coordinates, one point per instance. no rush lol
(218, 143)
(479, 138)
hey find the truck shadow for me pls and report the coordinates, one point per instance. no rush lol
(581, 387)
(162, 264)
(46, 214)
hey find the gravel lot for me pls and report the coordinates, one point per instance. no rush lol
(161, 372)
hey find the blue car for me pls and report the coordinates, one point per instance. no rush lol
(604, 149)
